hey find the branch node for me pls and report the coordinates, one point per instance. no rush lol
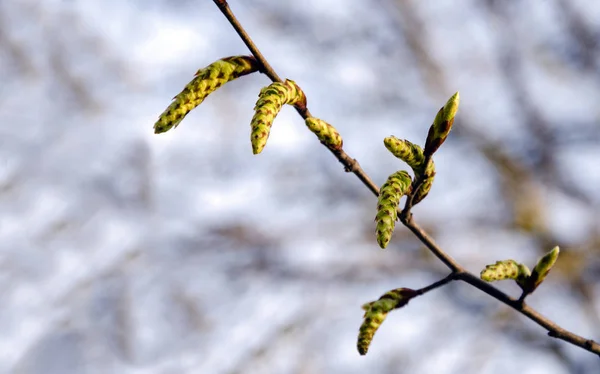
(302, 109)
(589, 343)
(405, 216)
(352, 166)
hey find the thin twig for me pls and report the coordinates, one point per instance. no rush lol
(458, 272)
(442, 282)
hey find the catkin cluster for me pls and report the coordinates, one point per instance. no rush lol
(413, 155)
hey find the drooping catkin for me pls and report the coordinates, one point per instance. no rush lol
(270, 101)
(206, 81)
(396, 186)
(376, 312)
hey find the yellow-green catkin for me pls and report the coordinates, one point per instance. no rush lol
(376, 312)
(406, 151)
(205, 82)
(326, 133)
(428, 177)
(442, 124)
(424, 189)
(542, 268)
(270, 101)
(506, 269)
(414, 156)
(396, 186)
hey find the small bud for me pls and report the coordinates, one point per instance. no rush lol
(326, 133)
(376, 312)
(270, 101)
(204, 83)
(507, 269)
(396, 186)
(442, 124)
(425, 187)
(542, 268)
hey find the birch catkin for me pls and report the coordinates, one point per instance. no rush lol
(376, 312)
(425, 187)
(270, 101)
(204, 83)
(406, 151)
(396, 186)
(326, 133)
(506, 269)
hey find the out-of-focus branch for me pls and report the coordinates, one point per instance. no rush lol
(458, 272)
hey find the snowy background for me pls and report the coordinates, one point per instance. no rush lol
(122, 251)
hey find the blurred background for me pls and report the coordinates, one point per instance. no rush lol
(122, 251)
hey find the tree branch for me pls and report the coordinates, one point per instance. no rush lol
(458, 272)
(442, 282)
(451, 263)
